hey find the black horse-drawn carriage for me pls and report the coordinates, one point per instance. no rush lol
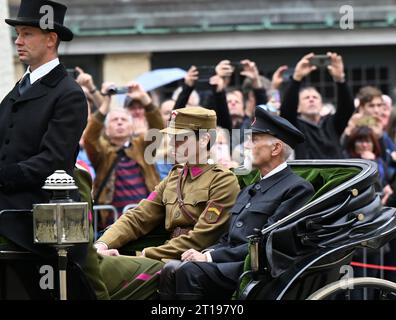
(300, 256)
(303, 255)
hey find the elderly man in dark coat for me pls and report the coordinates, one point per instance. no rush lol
(213, 273)
(43, 117)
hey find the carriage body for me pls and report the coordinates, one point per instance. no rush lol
(309, 248)
(293, 258)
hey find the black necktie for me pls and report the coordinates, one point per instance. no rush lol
(24, 84)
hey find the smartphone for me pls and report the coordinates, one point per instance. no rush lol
(72, 73)
(236, 77)
(320, 60)
(205, 72)
(238, 67)
(117, 90)
(287, 74)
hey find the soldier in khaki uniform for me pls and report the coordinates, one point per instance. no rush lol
(192, 202)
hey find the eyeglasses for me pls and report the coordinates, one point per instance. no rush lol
(268, 108)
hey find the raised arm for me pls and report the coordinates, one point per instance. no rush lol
(250, 71)
(345, 107)
(290, 99)
(219, 82)
(86, 80)
(153, 115)
(188, 87)
(95, 126)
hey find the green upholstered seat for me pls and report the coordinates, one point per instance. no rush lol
(323, 179)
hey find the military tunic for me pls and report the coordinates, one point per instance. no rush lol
(120, 277)
(192, 203)
(208, 192)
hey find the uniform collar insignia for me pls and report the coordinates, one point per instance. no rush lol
(195, 171)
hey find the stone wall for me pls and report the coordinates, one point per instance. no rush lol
(7, 78)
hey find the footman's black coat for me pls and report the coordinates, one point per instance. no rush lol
(39, 133)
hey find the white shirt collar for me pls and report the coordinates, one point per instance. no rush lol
(42, 70)
(277, 169)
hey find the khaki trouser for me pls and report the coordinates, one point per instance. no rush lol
(92, 270)
(130, 278)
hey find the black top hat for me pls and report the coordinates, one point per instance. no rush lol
(265, 122)
(29, 15)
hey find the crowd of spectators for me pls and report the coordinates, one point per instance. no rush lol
(113, 146)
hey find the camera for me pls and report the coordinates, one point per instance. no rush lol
(205, 72)
(112, 90)
(238, 67)
(320, 60)
(236, 77)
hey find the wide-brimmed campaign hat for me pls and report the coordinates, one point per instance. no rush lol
(35, 13)
(189, 119)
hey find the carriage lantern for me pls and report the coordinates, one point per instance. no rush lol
(61, 223)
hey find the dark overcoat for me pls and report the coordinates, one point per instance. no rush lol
(257, 206)
(39, 133)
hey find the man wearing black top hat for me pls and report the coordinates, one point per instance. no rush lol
(43, 117)
(278, 193)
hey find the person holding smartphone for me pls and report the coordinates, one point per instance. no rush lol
(123, 176)
(302, 107)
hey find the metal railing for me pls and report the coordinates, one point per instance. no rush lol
(108, 207)
(129, 206)
(380, 266)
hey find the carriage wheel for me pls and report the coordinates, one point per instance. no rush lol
(386, 288)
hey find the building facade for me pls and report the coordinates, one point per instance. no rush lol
(118, 40)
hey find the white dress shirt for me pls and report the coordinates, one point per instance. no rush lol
(277, 169)
(42, 70)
